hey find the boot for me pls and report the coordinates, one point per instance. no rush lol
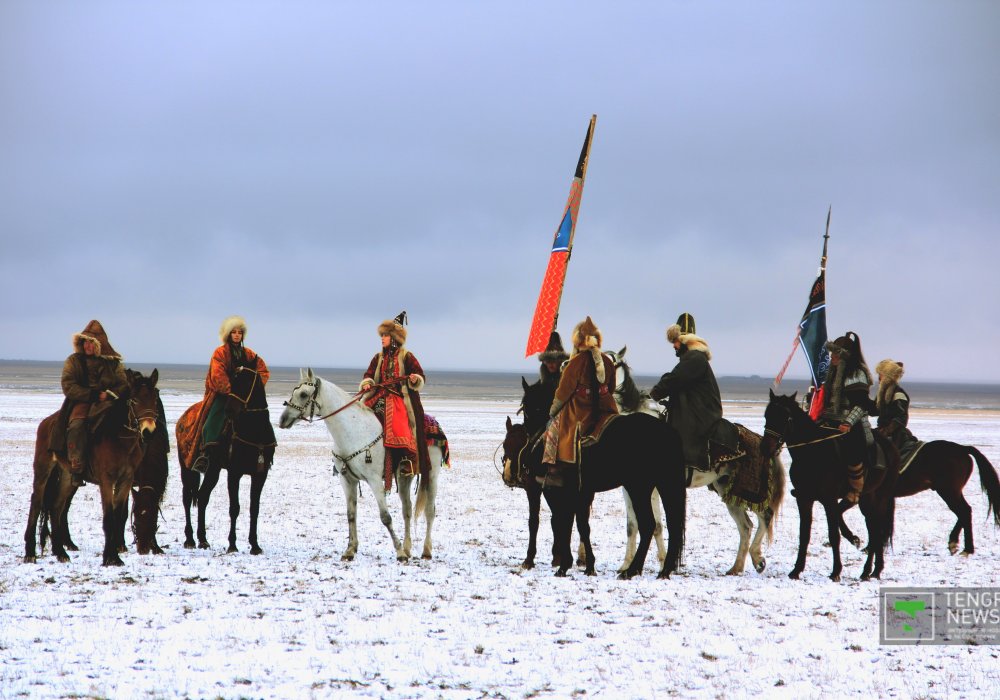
(855, 482)
(76, 449)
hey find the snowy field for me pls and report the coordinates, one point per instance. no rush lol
(298, 622)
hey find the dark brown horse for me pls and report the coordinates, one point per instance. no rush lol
(115, 454)
(818, 473)
(246, 448)
(945, 467)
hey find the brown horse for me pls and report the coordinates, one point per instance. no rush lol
(946, 467)
(117, 450)
(246, 448)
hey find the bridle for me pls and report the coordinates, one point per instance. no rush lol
(313, 405)
(780, 437)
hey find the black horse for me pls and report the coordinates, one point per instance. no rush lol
(946, 467)
(818, 473)
(637, 452)
(246, 448)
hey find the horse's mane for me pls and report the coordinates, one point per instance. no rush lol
(629, 394)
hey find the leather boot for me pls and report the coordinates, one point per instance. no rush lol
(76, 449)
(855, 482)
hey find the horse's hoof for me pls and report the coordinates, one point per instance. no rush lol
(794, 575)
(346, 557)
(526, 564)
(231, 548)
(203, 544)
(760, 566)
(590, 572)
(426, 555)
(64, 558)
(402, 557)
(114, 561)
(953, 547)
(663, 574)
(158, 550)
(856, 541)
(835, 578)
(561, 572)
(734, 572)
(189, 544)
(70, 547)
(966, 553)
(30, 559)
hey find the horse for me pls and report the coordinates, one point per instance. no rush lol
(637, 452)
(246, 448)
(818, 473)
(116, 450)
(148, 487)
(945, 467)
(357, 433)
(631, 399)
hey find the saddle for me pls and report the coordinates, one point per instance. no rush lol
(724, 443)
(748, 483)
(595, 435)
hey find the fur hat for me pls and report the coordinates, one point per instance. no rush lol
(94, 332)
(586, 335)
(554, 351)
(394, 328)
(890, 369)
(684, 326)
(229, 325)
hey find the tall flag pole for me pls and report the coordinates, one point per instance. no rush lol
(811, 333)
(547, 308)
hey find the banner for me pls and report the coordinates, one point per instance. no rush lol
(547, 308)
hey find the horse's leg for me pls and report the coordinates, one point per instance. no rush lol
(584, 502)
(562, 505)
(43, 468)
(556, 517)
(957, 504)
(233, 486)
(427, 498)
(190, 482)
(805, 529)
(846, 531)
(661, 547)
(208, 481)
(534, 493)
(257, 481)
(743, 527)
(67, 538)
(404, 484)
(756, 556)
(631, 530)
(350, 487)
(383, 511)
(109, 510)
(646, 523)
(833, 520)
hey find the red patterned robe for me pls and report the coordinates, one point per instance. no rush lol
(404, 413)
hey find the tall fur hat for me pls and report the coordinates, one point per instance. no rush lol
(394, 328)
(94, 332)
(890, 369)
(228, 325)
(554, 351)
(586, 335)
(684, 326)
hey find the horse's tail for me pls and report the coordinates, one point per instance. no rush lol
(777, 475)
(418, 509)
(989, 481)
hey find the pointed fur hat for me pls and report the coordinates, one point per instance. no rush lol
(394, 328)
(94, 332)
(554, 351)
(586, 335)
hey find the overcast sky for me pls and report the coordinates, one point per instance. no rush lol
(319, 167)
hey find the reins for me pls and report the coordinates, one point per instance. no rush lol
(357, 397)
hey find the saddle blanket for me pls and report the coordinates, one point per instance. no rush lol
(435, 436)
(750, 475)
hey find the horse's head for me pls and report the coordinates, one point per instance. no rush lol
(303, 404)
(535, 404)
(144, 401)
(778, 420)
(246, 388)
(514, 443)
(627, 394)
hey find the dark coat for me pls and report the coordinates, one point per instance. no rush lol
(695, 401)
(893, 417)
(84, 377)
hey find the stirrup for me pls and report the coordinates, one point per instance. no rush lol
(200, 464)
(406, 467)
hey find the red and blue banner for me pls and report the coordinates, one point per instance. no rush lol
(547, 309)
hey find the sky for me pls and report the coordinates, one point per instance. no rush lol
(318, 167)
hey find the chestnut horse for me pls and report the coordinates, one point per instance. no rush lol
(246, 447)
(819, 473)
(116, 451)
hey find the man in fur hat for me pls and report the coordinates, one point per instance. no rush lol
(551, 361)
(91, 377)
(847, 406)
(695, 402)
(892, 406)
(585, 393)
(210, 418)
(396, 401)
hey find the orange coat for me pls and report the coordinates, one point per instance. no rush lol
(189, 426)
(575, 399)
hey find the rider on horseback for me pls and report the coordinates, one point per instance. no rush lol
(221, 371)
(892, 406)
(584, 396)
(551, 361)
(396, 401)
(91, 377)
(847, 405)
(695, 402)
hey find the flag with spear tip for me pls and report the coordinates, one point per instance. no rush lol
(811, 334)
(547, 308)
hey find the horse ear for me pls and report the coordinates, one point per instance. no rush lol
(153, 377)
(771, 392)
(509, 424)
(310, 376)
(794, 394)
(621, 353)
(302, 375)
(524, 383)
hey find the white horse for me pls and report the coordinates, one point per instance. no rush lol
(630, 400)
(360, 456)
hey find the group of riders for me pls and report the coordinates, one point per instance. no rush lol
(583, 381)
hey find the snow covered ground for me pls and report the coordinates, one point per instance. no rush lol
(298, 622)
